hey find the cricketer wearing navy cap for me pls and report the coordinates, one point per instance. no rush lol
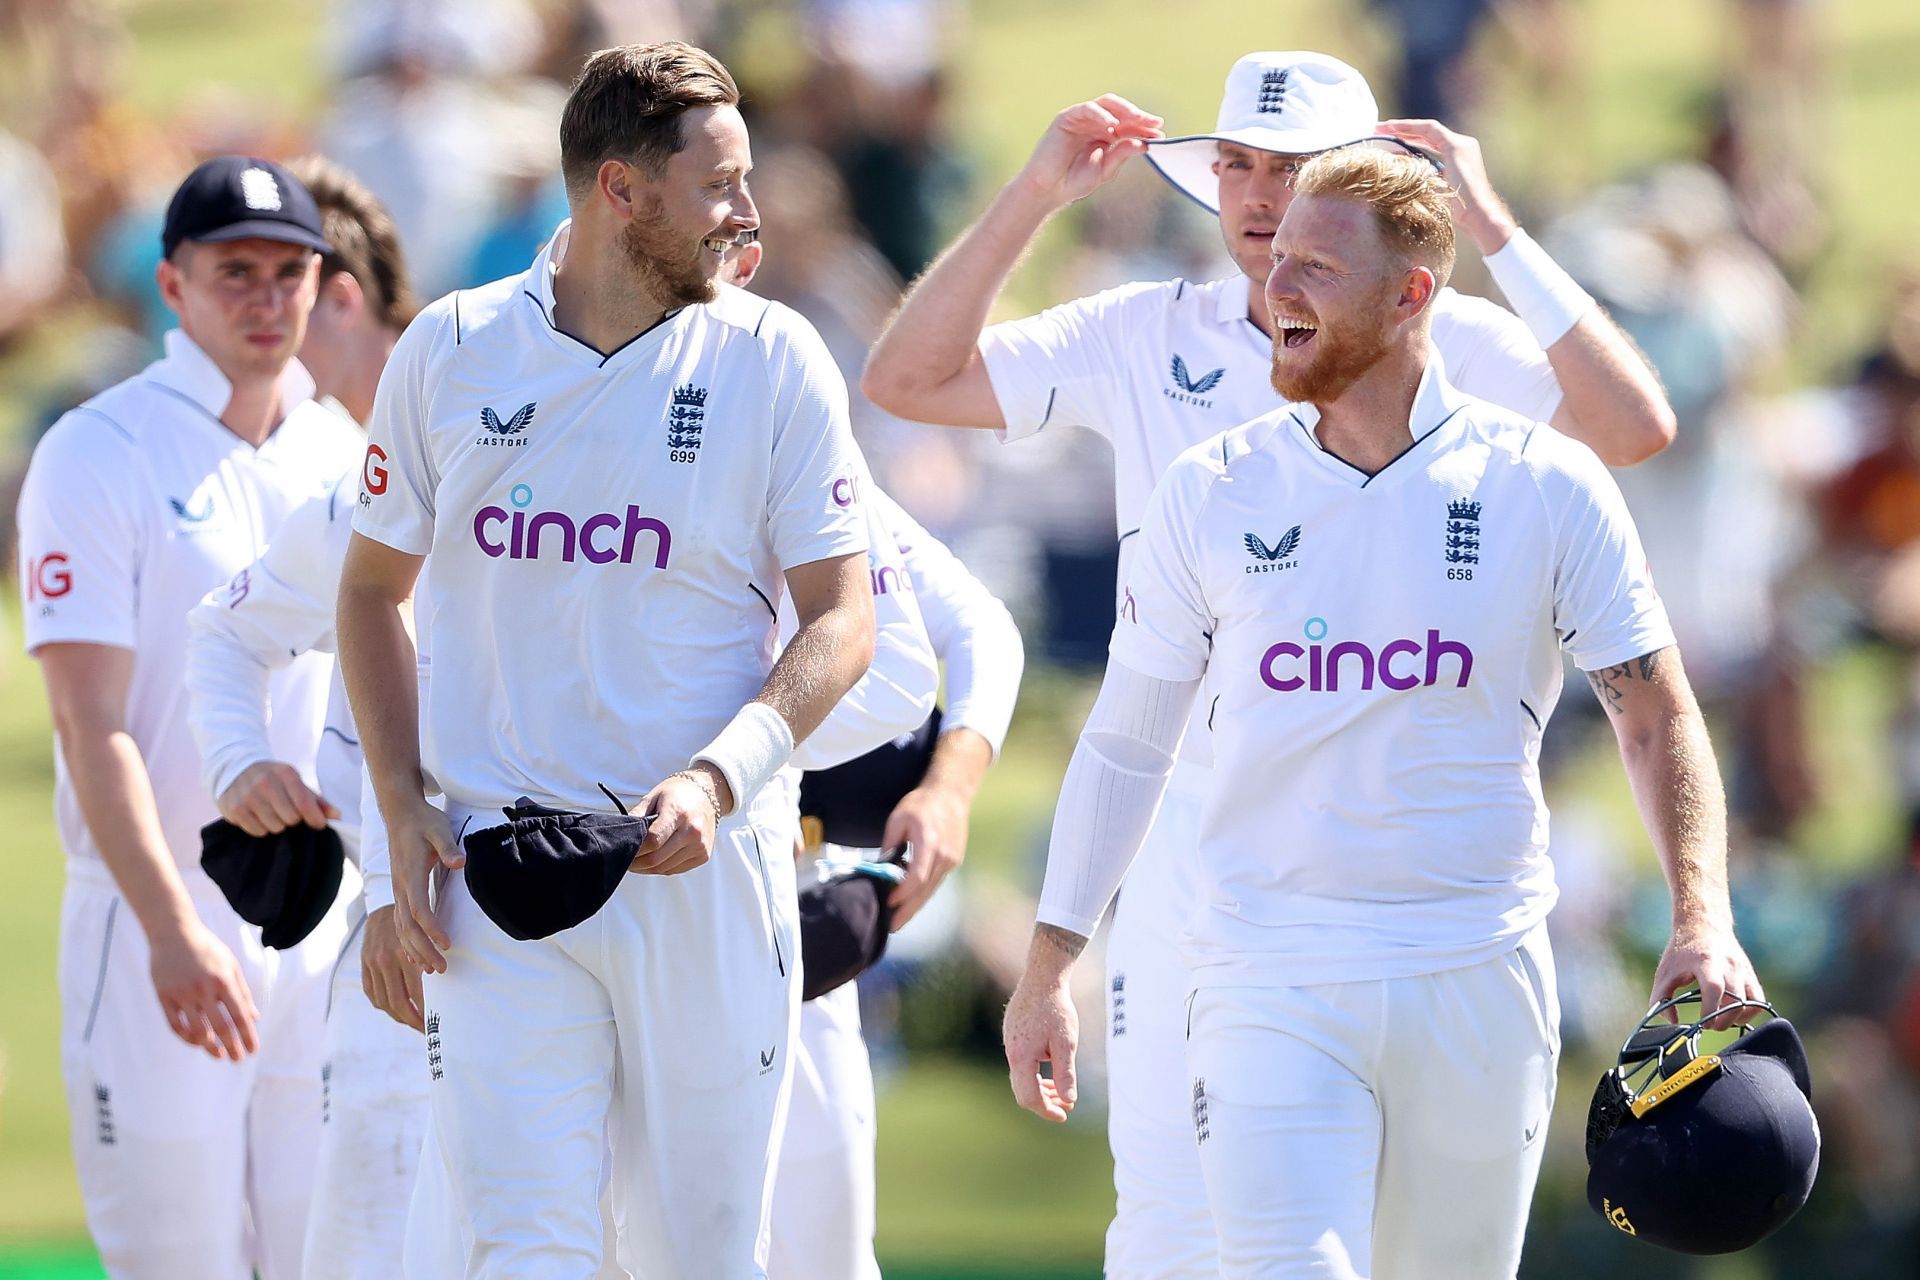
(192, 1057)
(242, 198)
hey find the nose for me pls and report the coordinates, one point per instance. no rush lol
(746, 214)
(1266, 190)
(1280, 282)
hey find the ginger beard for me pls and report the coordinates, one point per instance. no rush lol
(672, 266)
(1330, 359)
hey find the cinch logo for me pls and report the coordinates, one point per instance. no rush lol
(601, 538)
(845, 491)
(373, 478)
(48, 578)
(890, 577)
(1281, 665)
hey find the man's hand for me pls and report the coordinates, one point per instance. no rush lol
(1478, 208)
(269, 796)
(686, 810)
(1712, 958)
(203, 993)
(1042, 1026)
(1085, 146)
(389, 978)
(419, 842)
(933, 820)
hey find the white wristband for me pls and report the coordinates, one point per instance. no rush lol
(1539, 289)
(754, 746)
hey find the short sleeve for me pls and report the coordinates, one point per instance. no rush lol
(1165, 628)
(80, 536)
(397, 476)
(1058, 368)
(814, 485)
(1605, 607)
(1490, 354)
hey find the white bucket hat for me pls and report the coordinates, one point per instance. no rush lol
(1291, 103)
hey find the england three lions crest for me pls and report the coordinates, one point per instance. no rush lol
(685, 418)
(1462, 542)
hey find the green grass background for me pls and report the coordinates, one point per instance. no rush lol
(970, 1187)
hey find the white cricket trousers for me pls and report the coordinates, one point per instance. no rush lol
(373, 1085)
(662, 1028)
(823, 1191)
(1162, 1228)
(191, 1168)
(1388, 1129)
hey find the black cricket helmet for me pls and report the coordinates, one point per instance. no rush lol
(1703, 1152)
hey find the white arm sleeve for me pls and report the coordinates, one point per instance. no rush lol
(1112, 790)
(274, 610)
(897, 692)
(972, 632)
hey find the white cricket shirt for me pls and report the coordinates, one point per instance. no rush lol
(898, 689)
(273, 611)
(608, 532)
(1157, 368)
(1385, 655)
(970, 630)
(136, 504)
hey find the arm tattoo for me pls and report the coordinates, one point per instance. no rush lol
(1612, 684)
(1065, 941)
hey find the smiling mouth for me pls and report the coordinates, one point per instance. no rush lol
(1296, 334)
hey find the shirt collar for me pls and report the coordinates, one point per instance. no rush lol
(546, 264)
(191, 372)
(1434, 400)
(1230, 300)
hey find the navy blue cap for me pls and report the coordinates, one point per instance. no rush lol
(545, 870)
(1720, 1162)
(242, 198)
(844, 923)
(285, 882)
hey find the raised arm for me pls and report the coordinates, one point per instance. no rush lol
(1611, 399)
(1669, 760)
(927, 365)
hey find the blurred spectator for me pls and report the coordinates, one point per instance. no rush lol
(905, 176)
(410, 130)
(33, 252)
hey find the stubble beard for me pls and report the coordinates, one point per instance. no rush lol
(1339, 361)
(667, 264)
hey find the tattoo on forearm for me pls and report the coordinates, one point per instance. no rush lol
(1065, 941)
(1612, 684)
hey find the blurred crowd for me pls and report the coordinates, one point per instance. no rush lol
(1783, 525)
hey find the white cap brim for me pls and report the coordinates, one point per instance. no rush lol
(1188, 162)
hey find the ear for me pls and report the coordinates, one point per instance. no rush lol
(343, 293)
(1416, 291)
(618, 183)
(172, 281)
(748, 262)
